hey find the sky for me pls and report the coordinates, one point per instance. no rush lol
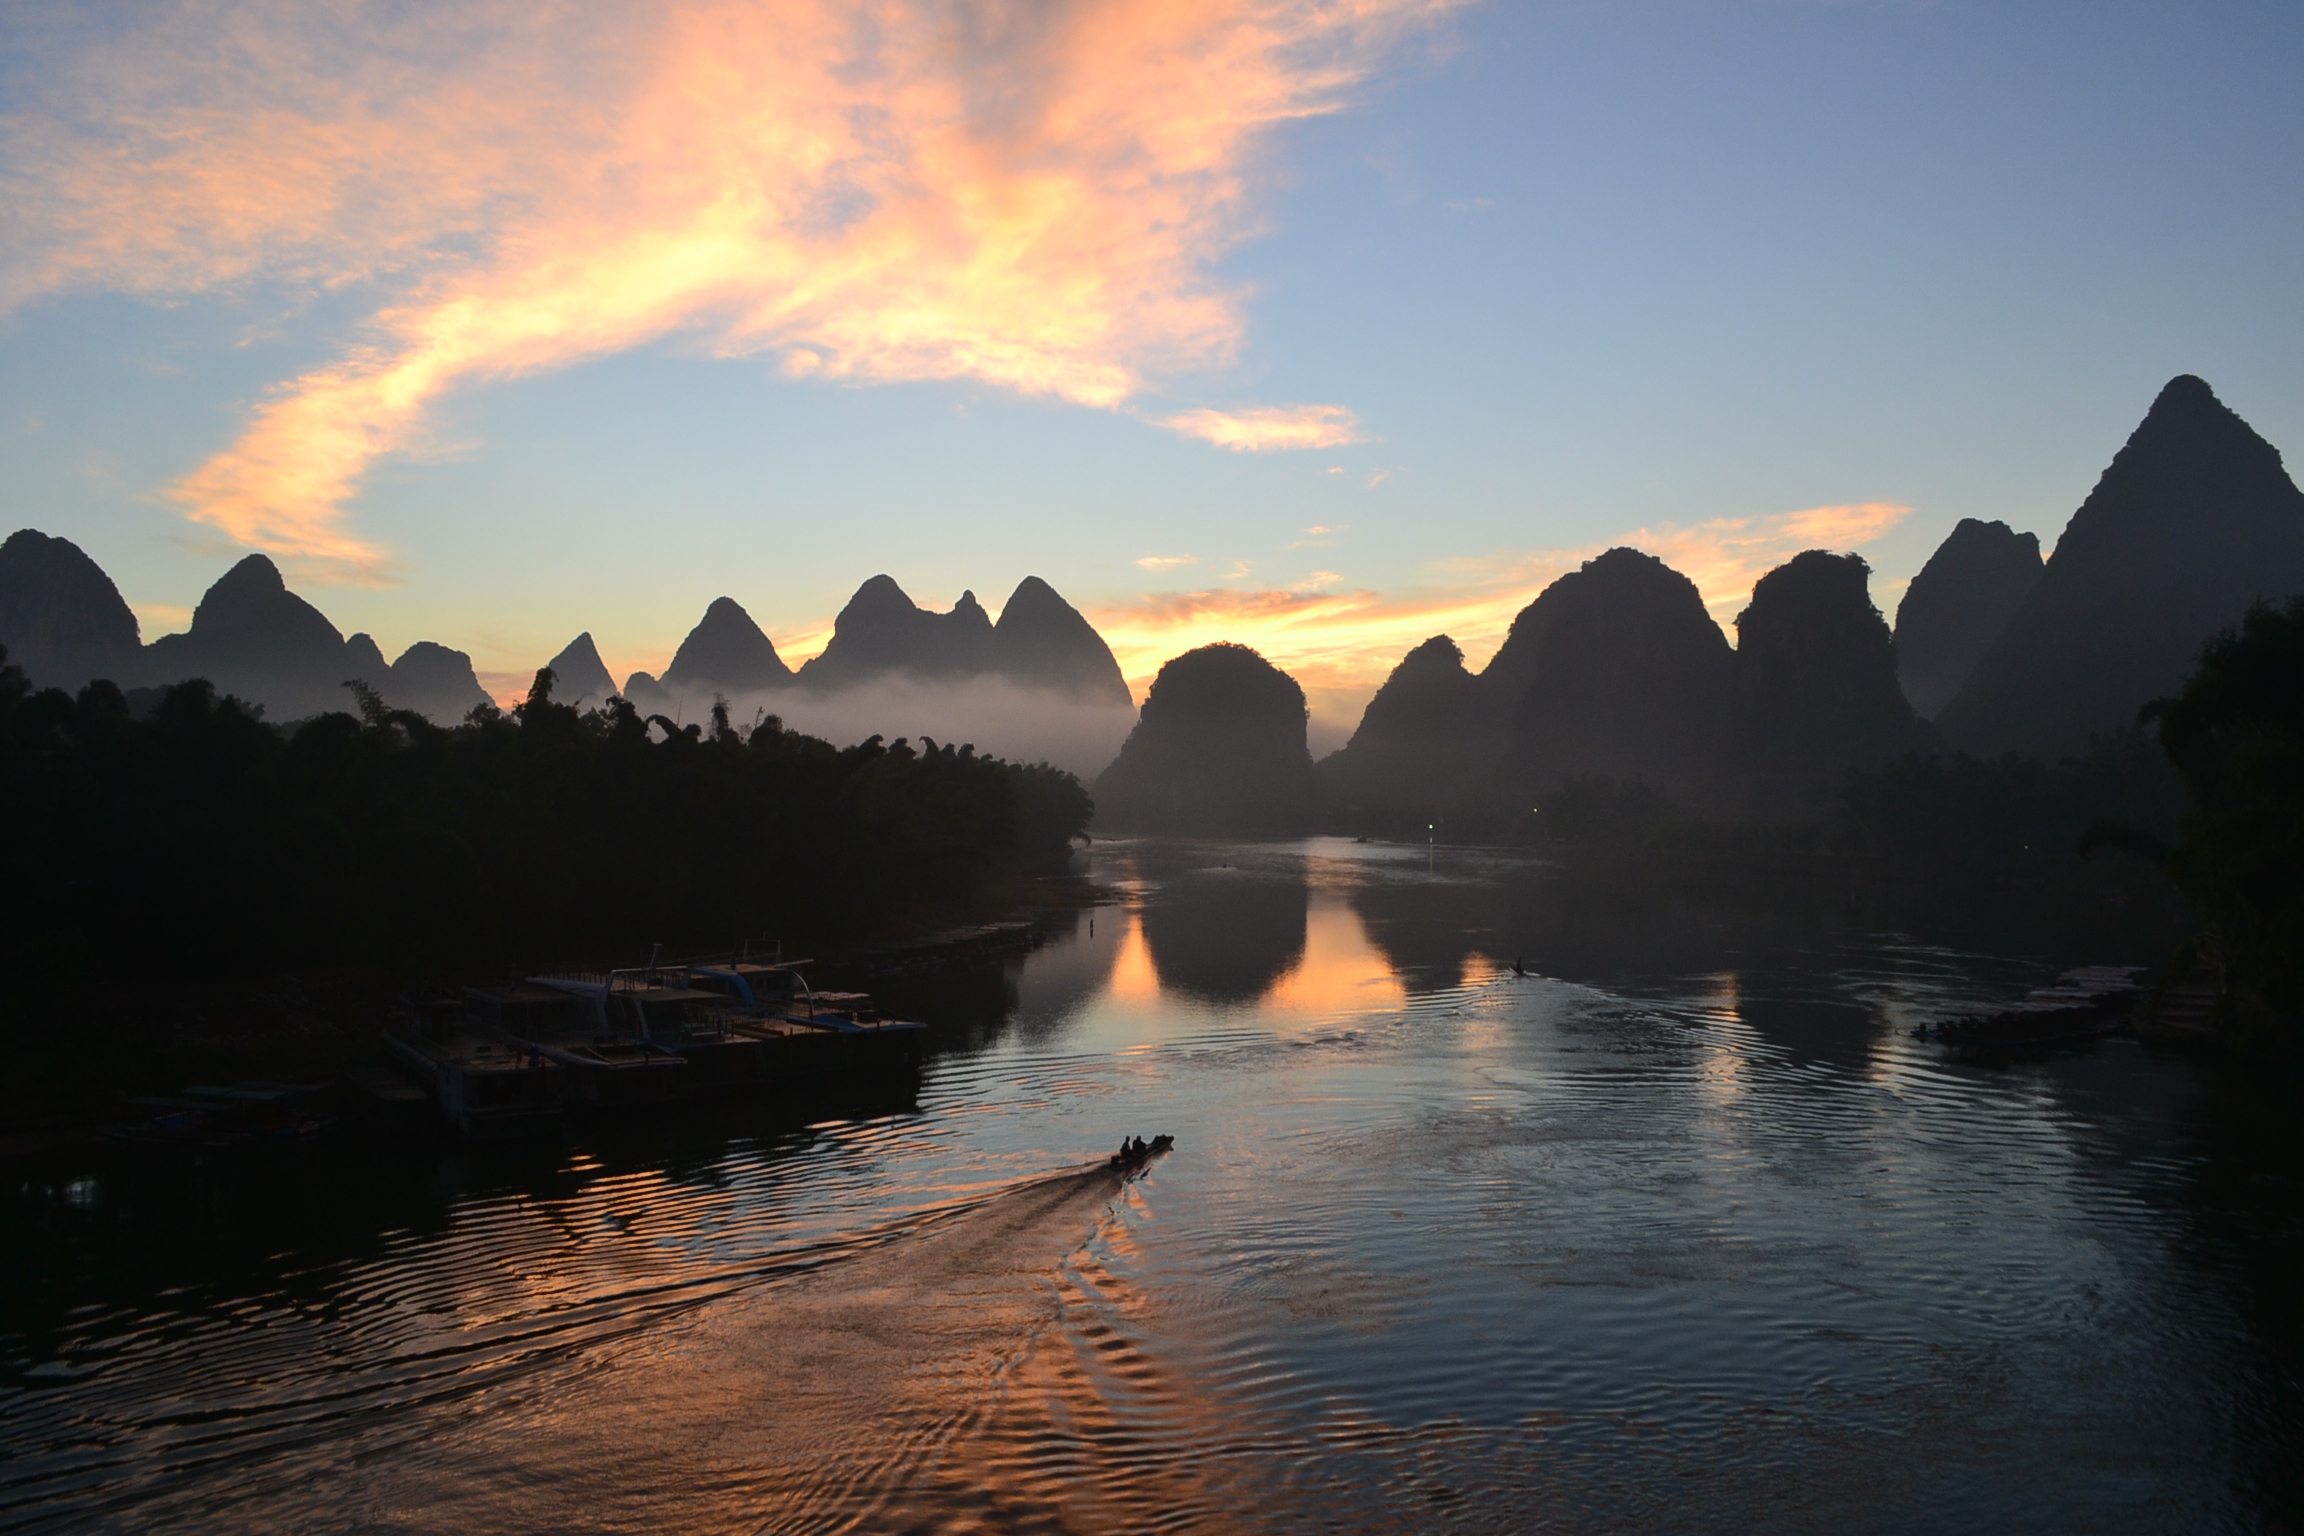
(1321, 325)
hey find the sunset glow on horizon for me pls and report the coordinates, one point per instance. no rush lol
(1323, 326)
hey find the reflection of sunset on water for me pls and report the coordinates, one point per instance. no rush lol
(1564, 1238)
(1133, 978)
(1723, 1070)
(1341, 972)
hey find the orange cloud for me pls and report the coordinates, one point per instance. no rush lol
(864, 189)
(1725, 556)
(1260, 429)
(1342, 645)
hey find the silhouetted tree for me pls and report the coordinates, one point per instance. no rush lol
(2236, 734)
(200, 836)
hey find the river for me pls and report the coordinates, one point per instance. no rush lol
(1680, 1231)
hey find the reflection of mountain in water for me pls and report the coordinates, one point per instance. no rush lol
(1225, 936)
(1428, 932)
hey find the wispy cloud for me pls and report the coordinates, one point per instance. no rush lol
(1166, 562)
(1266, 428)
(864, 189)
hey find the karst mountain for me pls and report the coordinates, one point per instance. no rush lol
(2195, 519)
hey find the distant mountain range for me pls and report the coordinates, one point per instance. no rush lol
(65, 623)
(1040, 642)
(1614, 671)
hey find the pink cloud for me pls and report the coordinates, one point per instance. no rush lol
(862, 189)
(1262, 429)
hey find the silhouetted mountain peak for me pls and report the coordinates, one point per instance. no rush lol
(1420, 738)
(1219, 750)
(430, 659)
(1427, 691)
(1816, 687)
(254, 638)
(1958, 605)
(879, 630)
(2190, 448)
(879, 597)
(1040, 640)
(1438, 654)
(1625, 676)
(1044, 641)
(254, 577)
(61, 618)
(968, 628)
(1814, 588)
(249, 593)
(726, 650)
(2193, 520)
(364, 660)
(648, 695)
(578, 673)
(436, 681)
(251, 601)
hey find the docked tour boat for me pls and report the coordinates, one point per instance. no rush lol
(600, 1066)
(483, 1085)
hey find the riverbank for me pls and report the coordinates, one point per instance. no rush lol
(80, 1053)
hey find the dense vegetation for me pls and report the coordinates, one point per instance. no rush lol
(2236, 734)
(201, 839)
(1956, 816)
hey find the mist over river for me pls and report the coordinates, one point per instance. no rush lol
(1679, 1232)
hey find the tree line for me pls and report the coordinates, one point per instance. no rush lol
(199, 835)
(2206, 789)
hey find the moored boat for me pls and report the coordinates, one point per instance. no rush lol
(599, 1067)
(229, 1115)
(739, 1025)
(482, 1085)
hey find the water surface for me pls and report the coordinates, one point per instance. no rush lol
(1680, 1231)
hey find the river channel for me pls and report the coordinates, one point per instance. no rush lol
(1679, 1231)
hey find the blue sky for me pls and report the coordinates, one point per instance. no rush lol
(1580, 272)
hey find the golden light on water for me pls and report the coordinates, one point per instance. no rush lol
(1341, 973)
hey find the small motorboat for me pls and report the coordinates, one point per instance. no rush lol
(1135, 1153)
